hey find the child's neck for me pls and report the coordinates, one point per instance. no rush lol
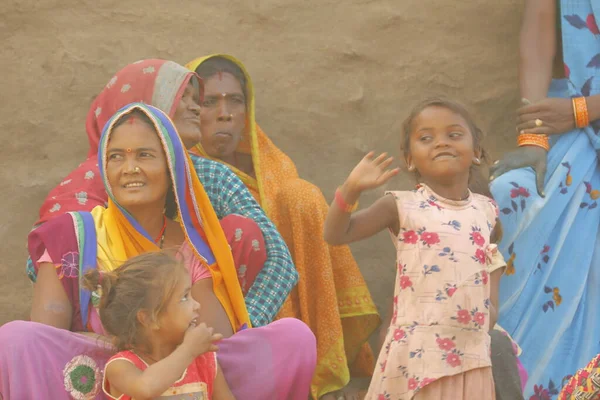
(450, 189)
(157, 353)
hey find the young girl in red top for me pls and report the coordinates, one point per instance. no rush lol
(164, 351)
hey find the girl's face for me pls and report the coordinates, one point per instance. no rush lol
(180, 313)
(441, 145)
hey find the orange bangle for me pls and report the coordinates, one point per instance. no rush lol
(580, 110)
(532, 139)
(341, 203)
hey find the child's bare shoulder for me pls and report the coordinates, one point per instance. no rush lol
(402, 194)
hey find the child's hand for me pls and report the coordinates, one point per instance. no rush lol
(200, 339)
(371, 173)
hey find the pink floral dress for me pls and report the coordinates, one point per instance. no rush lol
(440, 322)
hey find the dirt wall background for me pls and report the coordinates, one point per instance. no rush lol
(334, 79)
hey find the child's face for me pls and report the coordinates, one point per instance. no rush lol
(180, 313)
(441, 145)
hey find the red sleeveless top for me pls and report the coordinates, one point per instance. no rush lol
(196, 382)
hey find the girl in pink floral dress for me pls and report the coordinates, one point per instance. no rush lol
(445, 300)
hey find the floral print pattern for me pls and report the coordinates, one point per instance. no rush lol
(441, 305)
(552, 247)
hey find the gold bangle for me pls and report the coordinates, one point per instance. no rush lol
(582, 118)
(532, 139)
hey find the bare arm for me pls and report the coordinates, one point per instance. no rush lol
(537, 48)
(494, 289)
(126, 378)
(342, 227)
(221, 389)
(50, 305)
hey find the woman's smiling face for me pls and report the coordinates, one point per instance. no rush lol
(136, 166)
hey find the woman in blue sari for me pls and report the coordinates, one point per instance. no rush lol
(549, 200)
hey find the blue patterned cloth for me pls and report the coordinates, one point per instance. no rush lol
(550, 296)
(229, 195)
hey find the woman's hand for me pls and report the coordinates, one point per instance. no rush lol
(556, 115)
(371, 173)
(526, 156)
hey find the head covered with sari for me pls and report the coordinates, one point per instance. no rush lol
(272, 167)
(106, 237)
(281, 193)
(160, 83)
(156, 82)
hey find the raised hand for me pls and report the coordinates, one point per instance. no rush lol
(371, 172)
(200, 339)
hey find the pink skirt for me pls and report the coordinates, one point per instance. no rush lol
(474, 384)
(42, 362)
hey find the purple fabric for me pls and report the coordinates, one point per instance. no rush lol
(522, 374)
(36, 360)
(276, 361)
(40, 362)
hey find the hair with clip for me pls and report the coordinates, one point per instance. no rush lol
(145, 282)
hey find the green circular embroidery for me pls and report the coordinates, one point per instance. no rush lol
(83, 378)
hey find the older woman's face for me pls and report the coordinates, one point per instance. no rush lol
(187, 117)
(223, 115)
(136, 166)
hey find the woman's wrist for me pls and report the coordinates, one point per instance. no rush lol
(531, 139)
(593, 107)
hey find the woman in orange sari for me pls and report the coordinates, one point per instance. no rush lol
(332, 296)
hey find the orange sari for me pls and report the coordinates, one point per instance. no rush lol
(332, 296)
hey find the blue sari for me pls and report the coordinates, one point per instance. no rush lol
(549, 297)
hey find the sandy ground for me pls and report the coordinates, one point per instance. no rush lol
(334, 79)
